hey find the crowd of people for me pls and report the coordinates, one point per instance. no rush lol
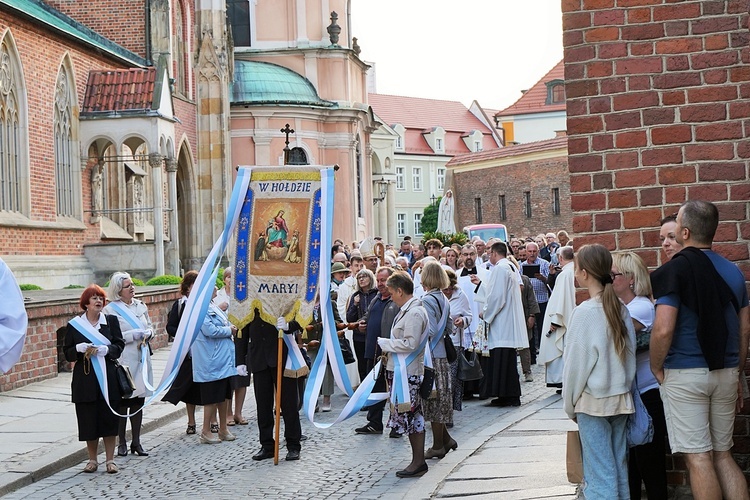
(677, 337)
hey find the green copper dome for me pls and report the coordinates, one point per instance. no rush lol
(265, 83)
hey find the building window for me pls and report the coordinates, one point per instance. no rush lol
(417, 224)
(556, 201)
(527, 204)
(12, 132)
(179, 55)
(477, 146)
(400, 179)
(297, 156)
(238, 16)
(399, 143)
(501, 204)
(416, 178)
(555, 92)
(65, 183)
(360, 207)
(478, 210)
(438, 145)
(440, 179)
(401, 224)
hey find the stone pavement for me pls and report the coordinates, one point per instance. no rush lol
(503, 453)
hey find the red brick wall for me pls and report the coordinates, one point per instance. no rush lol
(539, 177)
(41, 54)
(658, 105)
(121, 21)
(42, 357)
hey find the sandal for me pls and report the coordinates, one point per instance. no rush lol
(190, 429)
(240, 421)
(91, 466)
(214, 428)
(230, 422)
(112, 467)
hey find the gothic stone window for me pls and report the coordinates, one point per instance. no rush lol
(13, 176)
(179, 55)
(65, 184)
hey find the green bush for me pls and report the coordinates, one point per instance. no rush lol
(73, 286)
(164, 279)
(447, 239)
(29, 286)
(219, 283)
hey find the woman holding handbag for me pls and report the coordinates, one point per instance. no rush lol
(438, 410)
(408, 338)
(460, 319)
(599, 367)
(90, 338)
(136, 328)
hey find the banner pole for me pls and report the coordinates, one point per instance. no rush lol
(279, 369)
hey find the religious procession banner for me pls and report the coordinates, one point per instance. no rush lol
(279, 244)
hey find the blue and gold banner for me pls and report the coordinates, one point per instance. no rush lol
(278, 245)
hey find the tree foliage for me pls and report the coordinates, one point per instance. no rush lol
(430, 217)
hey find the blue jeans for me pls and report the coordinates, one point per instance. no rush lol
(605, 456)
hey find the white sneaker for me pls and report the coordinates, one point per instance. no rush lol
(325, 407)
(529, 378)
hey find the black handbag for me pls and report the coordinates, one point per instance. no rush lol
(468, 367)
(428, 380)
(125, 382)
(468, 363)
(346, 350)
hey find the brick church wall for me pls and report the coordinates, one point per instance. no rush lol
(41, 54)
(658, 105)
(120, 21)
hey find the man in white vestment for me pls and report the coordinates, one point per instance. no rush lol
(504, 318)
(13, 320)
(556, 318)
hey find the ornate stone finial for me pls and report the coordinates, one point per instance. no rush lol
(334, 30)
(355, 46)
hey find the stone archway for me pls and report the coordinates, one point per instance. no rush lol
(189, 252)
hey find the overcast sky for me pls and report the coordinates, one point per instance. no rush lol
(488, 50)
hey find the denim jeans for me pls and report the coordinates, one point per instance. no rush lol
(605, 456)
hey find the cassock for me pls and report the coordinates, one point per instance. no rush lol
(506, 324)
(559, 308)
(13, 320)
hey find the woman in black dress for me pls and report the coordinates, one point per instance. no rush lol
(95, 418)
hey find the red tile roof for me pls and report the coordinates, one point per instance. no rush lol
(419, 115)
(119, 90)
(508, 151)
(533, 101)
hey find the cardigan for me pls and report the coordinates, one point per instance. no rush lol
(591, 363)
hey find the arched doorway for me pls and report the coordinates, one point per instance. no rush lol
(190, 257)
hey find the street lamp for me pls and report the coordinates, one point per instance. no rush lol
(433, 200)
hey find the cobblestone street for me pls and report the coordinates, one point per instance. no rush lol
(335, 462)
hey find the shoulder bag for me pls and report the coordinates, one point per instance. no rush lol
(640, 426)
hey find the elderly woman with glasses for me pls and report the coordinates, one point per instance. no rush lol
(365, 291)
(137, 330)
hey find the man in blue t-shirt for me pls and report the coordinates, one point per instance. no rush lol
(699, 344)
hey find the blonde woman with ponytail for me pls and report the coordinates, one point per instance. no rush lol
(599, 362)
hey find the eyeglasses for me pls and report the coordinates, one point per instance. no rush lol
(363, 278)
(128, 286)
